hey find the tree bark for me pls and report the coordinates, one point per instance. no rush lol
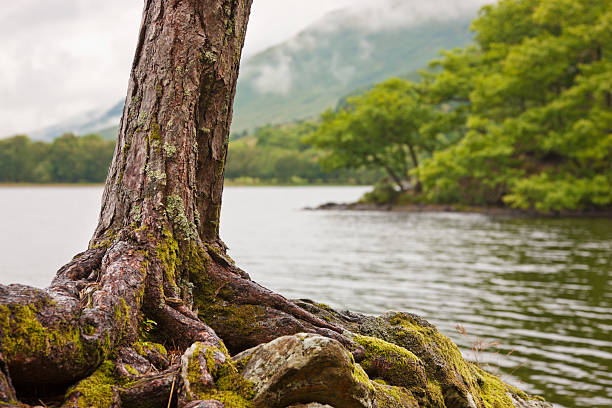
(415, 162)
(155, 257)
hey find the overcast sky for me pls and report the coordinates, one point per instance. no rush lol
(59, 58)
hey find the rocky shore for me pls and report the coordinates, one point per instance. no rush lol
(450, 208)
(401, 361)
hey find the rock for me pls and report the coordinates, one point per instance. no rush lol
(311, 405)
(405, 350)
(204, 404)
(307, 367)
(529, 402)
(304, 367)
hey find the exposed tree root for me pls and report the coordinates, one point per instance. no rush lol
(96, 306)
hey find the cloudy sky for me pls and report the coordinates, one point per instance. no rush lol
(60, 58)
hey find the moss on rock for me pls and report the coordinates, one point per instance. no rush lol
(209, 374)
(461, 383)
(394, 364)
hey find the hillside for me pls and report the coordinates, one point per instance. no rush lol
(303, 76)
(300, 78)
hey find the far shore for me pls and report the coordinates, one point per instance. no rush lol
(455, 208)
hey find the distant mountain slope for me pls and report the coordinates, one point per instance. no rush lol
(302, 77)
(334, 57)
(91, 122)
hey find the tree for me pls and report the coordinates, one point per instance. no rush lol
(156, 254)
(381, 129)
(156, 269)
(534, 110)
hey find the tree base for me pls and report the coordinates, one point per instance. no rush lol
(123, 326)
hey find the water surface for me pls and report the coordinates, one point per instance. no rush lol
(539, 287)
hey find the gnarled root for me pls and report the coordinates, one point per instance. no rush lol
(97, 335)
(56, 336)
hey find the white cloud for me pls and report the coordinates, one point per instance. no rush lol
(275, 78)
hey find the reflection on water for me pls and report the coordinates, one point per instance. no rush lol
(540, 287)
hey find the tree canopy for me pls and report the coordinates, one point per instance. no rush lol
(381, 129)
(535, 113)
(523, 117)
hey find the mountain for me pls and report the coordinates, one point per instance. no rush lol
(345, 51)
(302, 77)
(90, 122)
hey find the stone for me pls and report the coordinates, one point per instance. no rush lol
(204, 404)
(307, 367)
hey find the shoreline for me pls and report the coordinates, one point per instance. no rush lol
(455, 208)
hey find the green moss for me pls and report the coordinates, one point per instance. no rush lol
(210, 57)
(394, 364)
(379, 348)
(131, 369)
(493, 391)
(109, 238)
(143, 347)
(240, 364)
(360, 376)
(22, 335)
(97, 389)
(324, 307)
(231, 389)
(482, 385)
(429, 336)
(122, 314)
(89, 329)
(168, 253)
(241, 319)
(155, 130)
(387, 396)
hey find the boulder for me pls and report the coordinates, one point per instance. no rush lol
(311, 368)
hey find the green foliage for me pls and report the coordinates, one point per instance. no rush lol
(68, 159)
(533, 105)
(383, 192)
(385, 128)
(277, 154)
(273, 154)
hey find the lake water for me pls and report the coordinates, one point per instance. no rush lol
(539, 287)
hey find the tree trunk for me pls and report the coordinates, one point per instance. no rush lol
(415, 162)
(155, 265)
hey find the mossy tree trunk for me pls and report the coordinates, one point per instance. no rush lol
(156, 269)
